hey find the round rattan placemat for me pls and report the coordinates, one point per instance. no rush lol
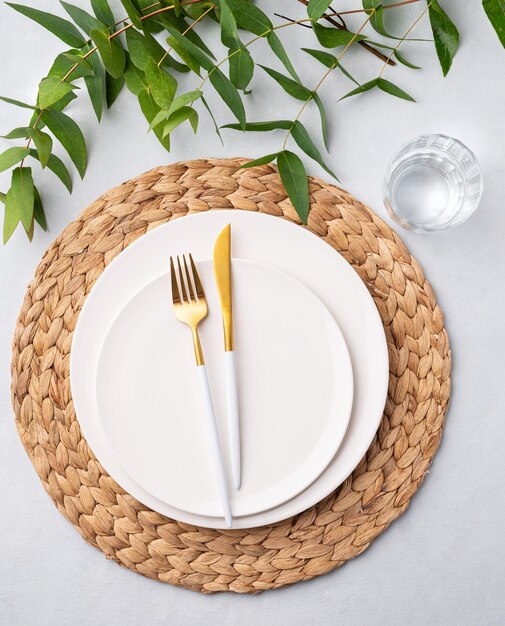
(309, 544)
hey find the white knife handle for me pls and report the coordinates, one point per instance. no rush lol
(233, 418)
(213, 437)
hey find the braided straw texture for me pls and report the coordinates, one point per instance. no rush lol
(309, 544)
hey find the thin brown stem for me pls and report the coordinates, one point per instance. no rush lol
(341, 26)
(290, 19)
(352, 11)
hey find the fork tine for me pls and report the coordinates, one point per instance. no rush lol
(198, 284)
(191, 289)
(181, 279)
(175, 289)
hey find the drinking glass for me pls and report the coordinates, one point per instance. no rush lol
(434, 182)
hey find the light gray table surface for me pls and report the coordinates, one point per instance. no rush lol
(442, 562)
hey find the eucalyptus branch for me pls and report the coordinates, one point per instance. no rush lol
(185, 32)
(113, 36)
(342, 26)
(325, 75)
(249, 43)
(407, 33)
(126, 27)
(149, 71)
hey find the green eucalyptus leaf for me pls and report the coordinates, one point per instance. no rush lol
(43, 143)
(195, 10)
(241, 63)
(371, 84)
(251, 18)
(111, 51)
(322, 114)
(401, 59)
(137, 48)
(241, 68)
(294, 179)
(11, 217)
(38, 210)
(445, 34)
(335, 37)
(302, 138)
(262, 126)
(170, 20)
(317, 8)
(216, 127)
(133, 13)
(17, 103)
(22, 195)
(394, 90)
(135, 78)
(2, 197)
(103, 12)
(83, 19)
(85, 68)
(229, 32)
(150, 109)
(63, 29)
(170, 61)
(56, 165)
(179, 101)
(113, 88)
(229, 93)
(17, 133)
(69, 135)
(495, 11)
(375, 9)
(65, 61)
(278, 49)
(196, 53)
(268, 158)
(161, 84)
(11, 156)
(290, 86)
(185, 99)
(184, 55)
(95, 85)
(143, 47)
(51, 90)
(57, 106)
(329, 60)
(160, 117)
(180, 116)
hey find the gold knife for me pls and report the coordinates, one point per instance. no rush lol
(222, 271)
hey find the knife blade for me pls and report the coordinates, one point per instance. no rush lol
(222, 271)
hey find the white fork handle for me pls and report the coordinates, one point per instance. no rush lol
(233, 418)
(213, 437)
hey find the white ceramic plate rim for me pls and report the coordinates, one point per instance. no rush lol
(306, 257)
(330, 438)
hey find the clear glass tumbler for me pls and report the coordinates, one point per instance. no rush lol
(433, 183)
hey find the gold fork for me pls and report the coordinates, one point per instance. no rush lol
(190, 307)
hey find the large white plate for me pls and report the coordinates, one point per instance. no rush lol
(263, 239)
(294, 375)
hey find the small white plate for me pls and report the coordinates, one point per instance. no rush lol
(294, 379)
(264, 239)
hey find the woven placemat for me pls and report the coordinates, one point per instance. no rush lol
(309, 544)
